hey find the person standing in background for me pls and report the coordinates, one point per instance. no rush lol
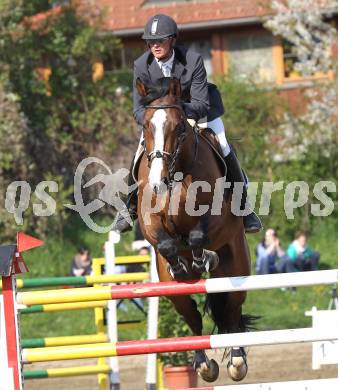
(301, 256)
(81, 263)
(270, 255)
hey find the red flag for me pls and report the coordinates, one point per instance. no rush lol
(25, 242)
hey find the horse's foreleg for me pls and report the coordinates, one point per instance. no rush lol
(207, 368)
(186, 306)
(203, 259)
(177, 265)
(227, 307)
(234, 322)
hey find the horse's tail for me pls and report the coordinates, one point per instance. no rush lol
(219, 308)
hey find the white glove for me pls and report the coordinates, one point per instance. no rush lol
(191, 122)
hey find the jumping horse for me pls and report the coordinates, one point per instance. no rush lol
(178, 177)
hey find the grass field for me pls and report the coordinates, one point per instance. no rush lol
(278, 309)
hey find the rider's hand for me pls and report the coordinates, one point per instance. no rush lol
(191, 122)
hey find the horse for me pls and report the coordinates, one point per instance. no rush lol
(177, 173)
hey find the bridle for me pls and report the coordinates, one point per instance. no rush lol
(171, 157)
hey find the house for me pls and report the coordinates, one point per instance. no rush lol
(229, 35)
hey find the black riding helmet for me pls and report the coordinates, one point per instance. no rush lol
(160, 26)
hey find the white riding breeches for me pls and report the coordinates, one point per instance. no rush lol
(217, 127)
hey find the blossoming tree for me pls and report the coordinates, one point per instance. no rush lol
(307, 25)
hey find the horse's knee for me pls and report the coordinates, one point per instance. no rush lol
(168, 249)
(198, 239)
(184, 305)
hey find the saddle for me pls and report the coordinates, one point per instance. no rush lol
(210, 137)
(204, 133)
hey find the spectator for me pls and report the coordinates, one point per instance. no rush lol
(270, 256)
(300, 256)
(81, 263)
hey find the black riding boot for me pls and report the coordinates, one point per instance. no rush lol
(121, 224)
(252, 223)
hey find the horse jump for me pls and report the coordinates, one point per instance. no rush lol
(180, 344)
(10, 366)
(203, 342)
(202, 286)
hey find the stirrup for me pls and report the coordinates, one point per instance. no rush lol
(252, 223)
(121, 224)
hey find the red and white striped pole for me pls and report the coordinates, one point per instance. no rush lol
(312, 384)
(12, 330)
(12, 263)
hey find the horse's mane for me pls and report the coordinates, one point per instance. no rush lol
(156, 91)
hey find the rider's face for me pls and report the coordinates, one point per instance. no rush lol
(161, 49)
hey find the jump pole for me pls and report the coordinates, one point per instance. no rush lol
(109, 250)
(67, 371)
(314, 384)
(7, 374)
(140, 347)
(202, 286)
(12, 263)
(88, 280)
(152, 327)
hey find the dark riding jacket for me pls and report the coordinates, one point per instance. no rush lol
(200, 98)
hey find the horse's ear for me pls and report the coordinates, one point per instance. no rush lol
(141, 87)
(175, 88)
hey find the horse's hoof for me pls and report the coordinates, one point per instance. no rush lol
(180, 270)
(211, 373)
(237, 369)
(207, 263)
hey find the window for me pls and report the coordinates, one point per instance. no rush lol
(250, 56)
(290, 59)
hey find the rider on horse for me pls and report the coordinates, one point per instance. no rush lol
(202, 102)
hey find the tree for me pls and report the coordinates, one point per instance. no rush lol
(309, 142)
(68, 104)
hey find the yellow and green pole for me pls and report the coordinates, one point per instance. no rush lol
(88, 280)
(102, 377)
(62, 307)
(67, 371)
(63, 340)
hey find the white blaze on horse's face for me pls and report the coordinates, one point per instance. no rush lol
(158, 120)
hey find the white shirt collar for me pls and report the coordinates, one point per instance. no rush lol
(168, 63)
